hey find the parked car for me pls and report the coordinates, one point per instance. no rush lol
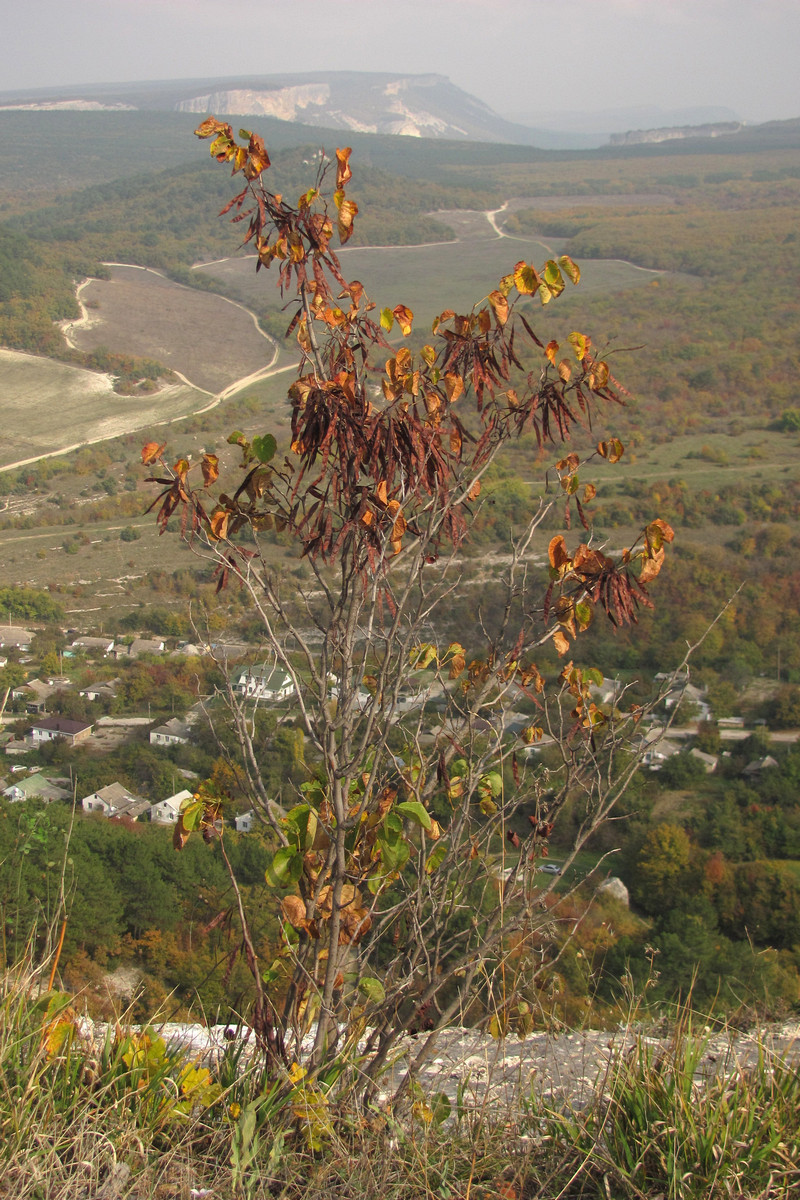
(551, 869)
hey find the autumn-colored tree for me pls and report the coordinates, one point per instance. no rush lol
(399, 872)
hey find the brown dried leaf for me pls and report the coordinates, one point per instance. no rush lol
(152, 452)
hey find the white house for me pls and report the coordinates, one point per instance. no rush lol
(173, 733)
(656, 749)
(94, 645)
(53, 729)
(114, 801)
(245, 822)
(166, 812)
(264, 683)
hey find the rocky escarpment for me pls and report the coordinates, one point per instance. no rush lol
(638, 137)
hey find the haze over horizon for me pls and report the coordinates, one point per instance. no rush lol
(522, 57)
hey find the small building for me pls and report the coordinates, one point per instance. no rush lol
(12, 637)
(166, 812)
(264, 683)
(115, 801)
(94, 645)
(36, 787)
(758, 765)
(51, 729)
(656, 749)
(35, 694)
(172, 733)
(100, 691)
(140, 646)
(709, 761)
(245, 822)
(683, 692)
(188, 650)
(17, 746)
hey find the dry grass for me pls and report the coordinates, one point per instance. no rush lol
(122, 1119)
(210, 340)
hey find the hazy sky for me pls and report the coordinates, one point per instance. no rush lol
(517, 55)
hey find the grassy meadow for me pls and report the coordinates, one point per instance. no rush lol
(51, 406)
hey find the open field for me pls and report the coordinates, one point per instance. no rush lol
(458, 274)
(50, 406)
(213, 345)
(209, 340)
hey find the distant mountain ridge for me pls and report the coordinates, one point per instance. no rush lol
(428, 106)
(640, 137)
(389, 104)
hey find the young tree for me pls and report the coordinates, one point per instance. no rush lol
(403, 874)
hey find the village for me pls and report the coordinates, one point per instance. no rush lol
(33, 718)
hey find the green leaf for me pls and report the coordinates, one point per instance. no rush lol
(301, 824)
(553, 277)
(583, 614)
(192, 814)
(387, 319)
(492, 783)
(392, 829)
(394, 855)
(264, 447)
(373, 989)
(236, 438)
(285, 868)
(440, 1107)
(436, 857)
(415, 812)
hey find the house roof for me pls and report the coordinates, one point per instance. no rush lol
(113, 793)
(268, 676)
(38, 785)
(14, 635)
(175, 802)
(174, 727)
(62, 725)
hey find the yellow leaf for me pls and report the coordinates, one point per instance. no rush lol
(526, 280)
(579, 344)
(497, 1027)
(570, 268)
(454, 386)
(652, 566)
(343, 172)
(500, 306)
(551, 350)
(348, 211)
(560, 642)
(613, 449)
(294, 910)
(599, 375)
(404, 317)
